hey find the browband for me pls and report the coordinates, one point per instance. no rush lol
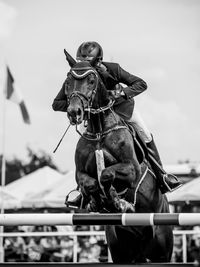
(83, 75)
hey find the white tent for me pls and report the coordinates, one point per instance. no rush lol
(187, 192)
(8, 200)
(55, 197)
(198, 168)
(183, 169)
(178, 169)
(39, 182)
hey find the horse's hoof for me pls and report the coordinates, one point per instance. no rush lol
(125, 206)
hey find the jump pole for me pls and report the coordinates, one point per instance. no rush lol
(126, 219)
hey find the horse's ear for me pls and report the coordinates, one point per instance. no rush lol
(70, 59)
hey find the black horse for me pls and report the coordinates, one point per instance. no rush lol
(109, 172)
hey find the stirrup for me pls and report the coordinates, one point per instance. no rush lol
(75, 203)
(170, 186)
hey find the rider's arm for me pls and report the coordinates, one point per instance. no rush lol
(60, 101)
(135, 85)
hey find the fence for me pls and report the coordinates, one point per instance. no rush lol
(125, 219)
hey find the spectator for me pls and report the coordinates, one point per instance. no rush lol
(50, 246)
(14, 249)
(66, 248)
(35, 250)
(194, 247)
(177, 255)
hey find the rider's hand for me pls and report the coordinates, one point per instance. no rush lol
(118, 92)
(101, 68)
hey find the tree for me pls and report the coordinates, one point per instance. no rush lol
(16, 168)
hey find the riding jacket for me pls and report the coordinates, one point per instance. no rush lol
(111, 74)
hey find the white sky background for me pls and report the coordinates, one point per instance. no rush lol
(157, 40)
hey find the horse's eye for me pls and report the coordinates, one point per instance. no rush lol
(66, 85)
(66, 89)
(91, 79)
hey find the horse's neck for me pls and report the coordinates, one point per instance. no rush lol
(103, 121)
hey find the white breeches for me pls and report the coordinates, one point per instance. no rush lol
(140, 126)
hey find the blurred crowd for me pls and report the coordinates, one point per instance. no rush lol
(54, 248)
(88, 248)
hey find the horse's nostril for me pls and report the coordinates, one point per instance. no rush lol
(75, 115)
(69, 110)
(79, 112)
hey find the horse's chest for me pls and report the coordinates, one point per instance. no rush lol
(86, 157)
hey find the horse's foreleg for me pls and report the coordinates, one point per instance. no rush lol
(90, 188)
(122, 171)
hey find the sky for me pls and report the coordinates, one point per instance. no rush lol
(157, 40)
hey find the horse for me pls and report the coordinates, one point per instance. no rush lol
(109, 172)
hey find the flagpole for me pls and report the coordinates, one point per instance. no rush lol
(3, 166)
(3, 172)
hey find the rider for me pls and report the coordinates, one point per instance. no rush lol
(112, 75)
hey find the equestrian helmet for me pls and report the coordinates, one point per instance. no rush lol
(89, 51)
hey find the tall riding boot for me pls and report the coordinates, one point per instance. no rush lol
(167, 182)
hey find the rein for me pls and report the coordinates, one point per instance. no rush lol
(61, 138)
(101, 109)
(99, 136)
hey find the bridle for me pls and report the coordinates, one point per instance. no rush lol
(82, 97)
(89, 107)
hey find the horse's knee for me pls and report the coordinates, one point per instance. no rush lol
(91, 186)
(107, 176)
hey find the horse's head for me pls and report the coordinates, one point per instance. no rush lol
(84, 90)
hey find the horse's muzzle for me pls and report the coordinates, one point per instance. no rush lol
(75, 115)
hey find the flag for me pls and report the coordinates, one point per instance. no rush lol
(13, 94)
